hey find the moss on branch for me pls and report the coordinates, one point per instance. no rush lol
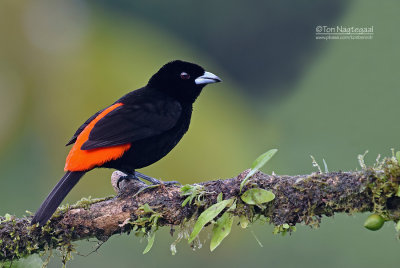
(298, 199)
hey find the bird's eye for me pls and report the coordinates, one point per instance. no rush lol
(185, 76)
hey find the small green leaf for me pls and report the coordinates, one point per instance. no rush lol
(257, 196)
(186, 189)
(192, 192)
(285, 226)
(398, 191)
(374, 222)
(208, 215)
(257, 164)
(221, 229)
(262, 219)
(28, 212)
(244, 222)
(8, 217)
(263, 159)
(141, 221)
(233, 206)
(189, 198)
(398, 156)
(146, 208)
(397, 227)
(150, 241)
(219, 197)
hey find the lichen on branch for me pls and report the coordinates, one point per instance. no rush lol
(286, 201)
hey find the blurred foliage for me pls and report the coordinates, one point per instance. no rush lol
(60, 61)
(265, 46)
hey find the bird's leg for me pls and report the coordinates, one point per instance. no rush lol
(153, 180)
(134, 175)
(127, 177)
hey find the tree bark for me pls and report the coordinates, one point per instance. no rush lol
(298, 199)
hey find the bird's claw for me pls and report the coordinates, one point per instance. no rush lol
(138, 176)
(154, 181)
(127, 178)
(171, 182)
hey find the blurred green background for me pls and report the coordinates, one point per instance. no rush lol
(60, 61)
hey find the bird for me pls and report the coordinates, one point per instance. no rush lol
(136, 131)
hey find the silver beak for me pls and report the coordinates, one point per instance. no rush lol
(207, 78)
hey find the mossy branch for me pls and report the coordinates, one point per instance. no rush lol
(298, 199)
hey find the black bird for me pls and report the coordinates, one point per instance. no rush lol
(134, 132)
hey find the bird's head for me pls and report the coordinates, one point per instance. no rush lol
(182, 80)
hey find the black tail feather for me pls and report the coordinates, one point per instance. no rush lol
(56, 196)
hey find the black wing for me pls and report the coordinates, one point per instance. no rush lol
(129, 123)
(81, 128)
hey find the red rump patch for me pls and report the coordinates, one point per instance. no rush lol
(83, 160)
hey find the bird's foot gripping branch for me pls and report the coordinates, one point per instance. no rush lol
(282, 201)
